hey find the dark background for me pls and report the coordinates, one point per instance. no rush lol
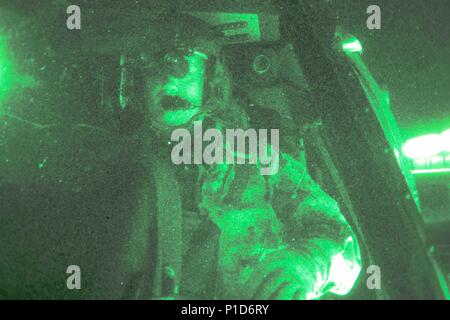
(409, 56)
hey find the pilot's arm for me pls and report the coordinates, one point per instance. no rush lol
(321, 251)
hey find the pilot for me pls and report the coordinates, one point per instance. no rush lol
(280, 236)
(218, 231)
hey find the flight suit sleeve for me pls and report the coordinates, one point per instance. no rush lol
(315, 227)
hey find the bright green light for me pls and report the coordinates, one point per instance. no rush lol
(5, 69)
(352, 45)
(344, 270)
(446, 140)
(431, 171)
(423, 146)
(427, 145)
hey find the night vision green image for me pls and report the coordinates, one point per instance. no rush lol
(224, 150)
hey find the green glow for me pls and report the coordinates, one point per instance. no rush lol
(190, 87)
(352, 45)
(344, 270)
(179, 117)
(431, 171)
(446, 140)
(6, 69)
(427, 145)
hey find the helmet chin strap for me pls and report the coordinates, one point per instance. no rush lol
(180, 117)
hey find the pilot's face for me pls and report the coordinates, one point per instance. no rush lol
(176, 89)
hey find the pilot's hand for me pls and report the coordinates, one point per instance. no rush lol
(282, 275)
